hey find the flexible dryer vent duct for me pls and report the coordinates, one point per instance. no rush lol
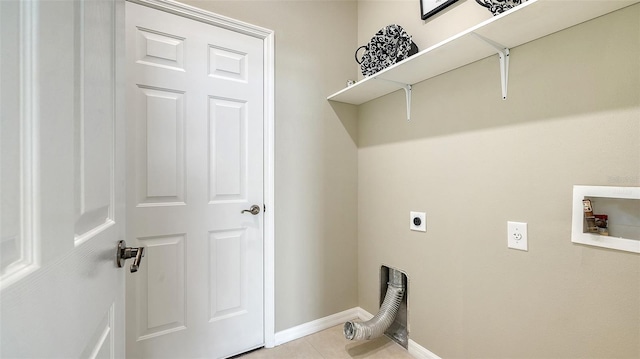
(376, 326)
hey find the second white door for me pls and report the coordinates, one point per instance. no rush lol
(195, 162)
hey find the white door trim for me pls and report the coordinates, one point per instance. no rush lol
(267, 36)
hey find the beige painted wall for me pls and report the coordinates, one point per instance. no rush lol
(316, 157)
(473, 162)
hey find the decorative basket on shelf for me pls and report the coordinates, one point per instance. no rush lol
(499, 6)
(389, 45)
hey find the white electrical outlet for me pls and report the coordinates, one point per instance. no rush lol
(418, 221)
(517, 236)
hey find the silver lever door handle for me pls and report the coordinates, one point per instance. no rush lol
(255, 209)
(137, 260)
(123, 252)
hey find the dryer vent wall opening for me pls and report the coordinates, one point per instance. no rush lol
(391, 319)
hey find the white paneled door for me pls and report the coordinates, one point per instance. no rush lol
(195, 162)
(61, 178)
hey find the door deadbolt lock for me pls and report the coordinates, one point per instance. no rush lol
(123, 252)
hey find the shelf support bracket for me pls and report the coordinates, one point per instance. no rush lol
(503, 53)
(407, 92)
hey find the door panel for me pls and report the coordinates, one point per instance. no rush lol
(228, 145)
(94, 76)
(195, 136)
(101, 342)
(228, 287)
(62, 165)
(161, 298)
(161, 171)
(17, 249)
(227, 64)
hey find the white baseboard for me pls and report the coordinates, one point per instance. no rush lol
(302, 330)
(315, 326)
(419, 352)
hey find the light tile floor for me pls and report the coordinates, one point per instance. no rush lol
(331, 344)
